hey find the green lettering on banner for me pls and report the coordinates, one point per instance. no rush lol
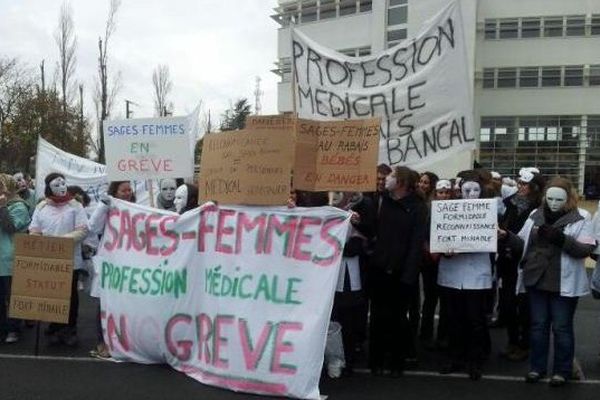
(126, 278)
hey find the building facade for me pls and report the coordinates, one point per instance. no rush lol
(535, 68)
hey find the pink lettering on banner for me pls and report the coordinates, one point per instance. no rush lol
(182, 349)
(204, 332)
(121, 333)
(145, 165)
(283, 347)
(219, 342)
(253, 354)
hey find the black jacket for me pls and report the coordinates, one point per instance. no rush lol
(401, 232)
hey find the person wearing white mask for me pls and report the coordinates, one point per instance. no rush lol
(186, 198)
(166, 197)
(466, 279)
(62, 216)
(554, 243)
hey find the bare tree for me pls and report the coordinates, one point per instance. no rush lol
(105, 93)
(66, 40)
(161, 80)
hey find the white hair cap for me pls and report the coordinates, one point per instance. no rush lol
(496, 175)
(443, 184)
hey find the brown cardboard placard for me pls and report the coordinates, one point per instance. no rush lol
(283, 122)
(337, 155)
(42, 277)
(250, 167)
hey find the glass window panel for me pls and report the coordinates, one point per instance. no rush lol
(576, 25)
(595, 25)
(397, 34)
(397, 2)
(488, 78)
(553, 26)
(574, 75)
(507, 77)
(528, 77)
(397, 16)
(550, 76)
(327, 9)
(509, 29)
(364, 51)
(309, 12)
(594, 75)
(490, 29)
(365, 5)
(347, 7)
(530, 28)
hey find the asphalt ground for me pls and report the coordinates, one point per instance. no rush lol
(70, 373)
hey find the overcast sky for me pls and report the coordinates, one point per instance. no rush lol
(214, 48)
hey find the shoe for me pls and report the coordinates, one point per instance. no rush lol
(518, 355)
(101, 352)
(533, 377)
(334, 368)
(12, 337)
(557, 380)
(451, 368)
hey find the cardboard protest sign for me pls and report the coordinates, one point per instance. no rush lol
(89, 175)
(337, 155)
(148, 148)
(420, 88)
(235, 297)
(283, 122)
(464, 226)
(42, 277)
(246, 167)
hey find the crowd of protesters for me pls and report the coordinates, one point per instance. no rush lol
(534, 280)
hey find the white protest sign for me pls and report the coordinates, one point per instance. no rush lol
(149, 148)
(464, 226)
(420, 88)
(235, 297)
(89, 175)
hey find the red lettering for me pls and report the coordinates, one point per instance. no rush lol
(219, 341)
(246, 224)
(121, 334)
(111, 243)
(182, 349)
(302, 238)
(151, 232)
(204, 332)
(204, 227)
(169, 233)
(222, 231)
(331, 240)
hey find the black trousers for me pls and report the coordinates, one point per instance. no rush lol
(73, 310)
(514, 309)
(468, 334)
(347, 307)
(390, 332)
(431, 294)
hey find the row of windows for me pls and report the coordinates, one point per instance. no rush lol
(397, 17)
(536, 27)
(303, 11)
(547, 76)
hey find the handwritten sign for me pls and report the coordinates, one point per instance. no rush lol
(284, 122)
(247, 167)
(337, 155)
(233, 296)
(42, 277)
(149, 148)
(464, 226)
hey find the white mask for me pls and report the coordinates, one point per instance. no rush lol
(181, 196)
(556, 198)
(470, 190)
(168, 188)
(58, 186)
(21, 182)
(390, 182)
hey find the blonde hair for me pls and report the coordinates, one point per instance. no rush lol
(8, 184)
(567, 186)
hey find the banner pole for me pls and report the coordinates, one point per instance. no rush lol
(293, 70)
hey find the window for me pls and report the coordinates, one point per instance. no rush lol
(509, 29)
(364, 51)
(595, 24)
(397, 34)
(347, 7)
(574, 75)
(594, 75)
(507, 77)
(327, 9)
(488, 78)
(490, 29)
(484, 134)
(309, 12)
(397, 15)
(576, 25)
(365, 5)
(397, 2)
(553, 26)
(530, 28)
(550, 76)
(528, 77)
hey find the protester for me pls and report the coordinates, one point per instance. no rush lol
(554, 242)
(466, 279)
(119, 190)
(166, 197)
(90, 244)
(186, 198)
(14, 218)
(27, 194)
(394, 270)
(383, 170)
(60, 215)
(427, 185)
(513, 307)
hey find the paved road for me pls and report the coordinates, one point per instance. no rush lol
(66, 373)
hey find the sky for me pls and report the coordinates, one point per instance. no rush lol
(215, 49)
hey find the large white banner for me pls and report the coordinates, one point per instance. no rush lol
(464, 226)
(235, 297)
(147, 148)
(420, 88)
(89, 175)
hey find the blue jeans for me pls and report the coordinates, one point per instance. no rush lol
(551, 310)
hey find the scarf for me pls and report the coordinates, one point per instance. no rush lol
(62, 199)
(521, 202)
